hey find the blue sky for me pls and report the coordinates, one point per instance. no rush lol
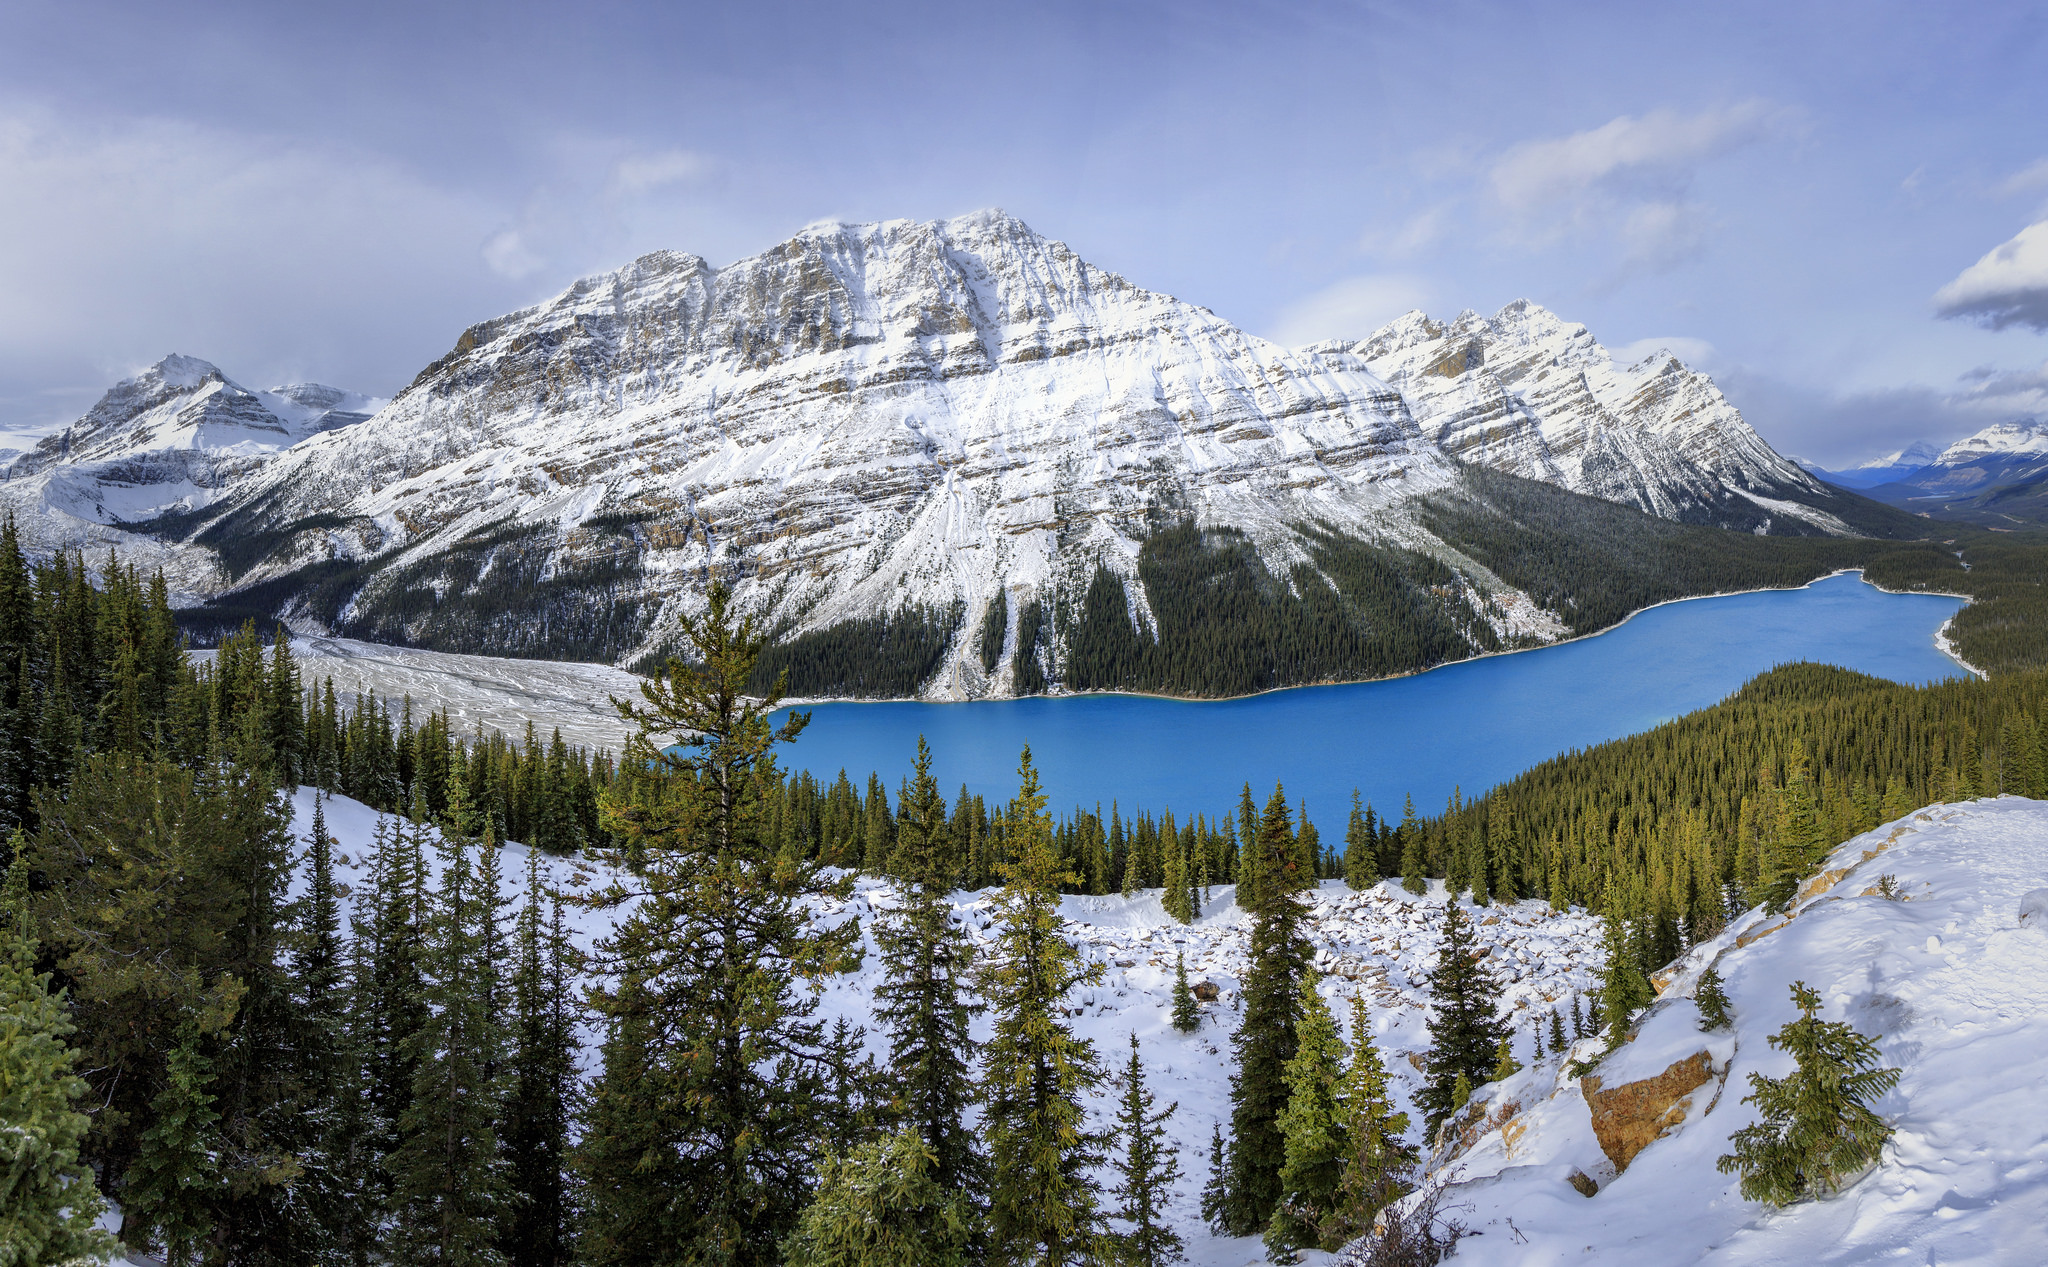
(1778, 191)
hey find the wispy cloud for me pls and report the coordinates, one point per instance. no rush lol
(1350, 309)
(2027, 178)
(643, 173)
(1630, 178)
(2008, 287)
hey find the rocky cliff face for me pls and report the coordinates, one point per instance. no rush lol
(959, 424)
(174, 438)
(1528, 393)
(866, 418)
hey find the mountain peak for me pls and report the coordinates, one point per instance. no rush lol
(181, 372)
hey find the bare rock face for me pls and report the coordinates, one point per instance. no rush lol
(1528, 393)
(1629, 1118)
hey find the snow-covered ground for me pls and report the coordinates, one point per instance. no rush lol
(1953, 989)
(1381, 942)
(1950, 985)
(501, 694)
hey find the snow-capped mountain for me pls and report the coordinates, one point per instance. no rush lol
(1529, 393)
(1897, 465)
(2001, 454)
(175, 437)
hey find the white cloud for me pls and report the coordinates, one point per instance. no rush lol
(1412, 236)
(2030, 177)
(1350, 309)
(643, 173)
(2008, 287)
(1628, 179)
(509, 256)
(1696, 353)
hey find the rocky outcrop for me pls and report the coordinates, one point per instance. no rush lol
(1630, 1117)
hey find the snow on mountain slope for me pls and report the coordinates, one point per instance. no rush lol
(863, 418)
(1526, 392)
(173, 438)
(1952, 987)
(1380, 943)
(1898, 465)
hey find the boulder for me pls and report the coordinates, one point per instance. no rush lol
(1207, 991)
(1630, 1117)
(2034, 910)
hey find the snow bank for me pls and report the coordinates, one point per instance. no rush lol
(1952, 988)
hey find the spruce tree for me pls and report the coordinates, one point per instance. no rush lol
(1558, 1040)
(541, 1087)
(1379, 1158)
(51, 1207)
(1361, 856)
(1464, 1032)
(1216, 1191)
(882, 1205)
(1413, 866)
(1505, 1065)
(1187, 1015)
(1817, 1129)
(329, 1063)
(1175, 895)
(1042, 1200)
(1266, 1036)
(1313, 1126)
(922, 1001)
(1624, 990)
(700, 1130)
(173, 1186)
(1712, 1000)
(450, 1195)
(1146, 1168)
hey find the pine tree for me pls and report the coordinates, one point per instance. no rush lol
(1175, 895)
(173, 1185)
(1187, 1015)
(1558, 1041)
(1042, 1202)
(922, 1001)
(1817, 1129)
(1412, 865)
(1505, 1065)
(1712, 1000)
(450, 1194)
(51, 1207)
(328, 1189)
(882, 1205)
(1379, 1158)
(1361, 856)
(1266, 1037)
(1579, 1027)
(1463, 1030)
(1146, 1170)
(1216, 1192)
(1624, 990)
(1312, 1125)
(540, 1090)
(700, 1130)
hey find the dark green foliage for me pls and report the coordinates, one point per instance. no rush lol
(1361, 847)
(882, 1205)
(1624, 990)
(995, 626)
(1216, 1192)
(1817, 1129)
(1266, 1037)
(1042, 1199)
(878, 657)
(1464, 1032)
(1146, 1168)
(922, 1001)
(1378, 1158)
(1313, 1126)
(701, 1131)
(51, 1203)
(1028, 665)
(1712, 1000)
(1187, 1014)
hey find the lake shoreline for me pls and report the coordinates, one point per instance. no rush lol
(1941, 644)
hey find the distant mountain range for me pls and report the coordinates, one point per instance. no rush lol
(1997, 477)
(951, 439)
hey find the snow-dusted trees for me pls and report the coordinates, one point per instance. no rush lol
(1817, 1130)
(1463, 1030)
(1146, 1170)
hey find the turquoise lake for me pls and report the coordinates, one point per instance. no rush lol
(1470, 725)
